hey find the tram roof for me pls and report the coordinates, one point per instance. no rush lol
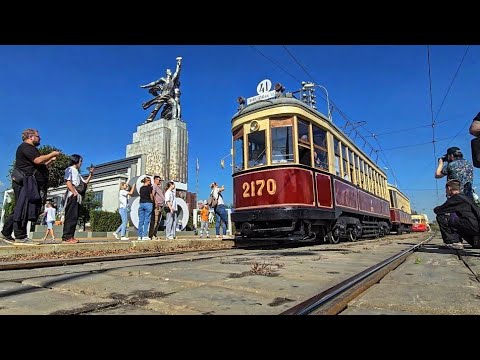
(397, 189)
(284, 100)
(280, 101)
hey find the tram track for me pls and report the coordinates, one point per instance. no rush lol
(256, 280)
(335, 299)
(45, 263)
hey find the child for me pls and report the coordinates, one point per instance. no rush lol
(49, 214)
(204, 220)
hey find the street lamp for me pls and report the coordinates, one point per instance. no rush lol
(311, 86)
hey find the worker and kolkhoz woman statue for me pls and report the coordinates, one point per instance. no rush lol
(166, 92)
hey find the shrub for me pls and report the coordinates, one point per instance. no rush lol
(104, 221)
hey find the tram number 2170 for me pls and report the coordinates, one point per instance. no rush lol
(257, 187)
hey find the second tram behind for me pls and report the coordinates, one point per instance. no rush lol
(297, 176)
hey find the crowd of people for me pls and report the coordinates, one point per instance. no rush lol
(30, 186)
(458, 218)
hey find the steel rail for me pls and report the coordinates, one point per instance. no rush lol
(341, 294)
(33, 264)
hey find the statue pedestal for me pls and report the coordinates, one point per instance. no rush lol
(164, 146)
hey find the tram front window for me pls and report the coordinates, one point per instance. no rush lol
(256, 149)
(282, 144)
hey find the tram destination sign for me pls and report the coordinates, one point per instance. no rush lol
(263, 96)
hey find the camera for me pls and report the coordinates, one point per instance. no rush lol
(444, 158)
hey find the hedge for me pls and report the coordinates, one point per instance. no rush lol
(104, 221)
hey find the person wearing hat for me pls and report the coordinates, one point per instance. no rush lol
(455, 167)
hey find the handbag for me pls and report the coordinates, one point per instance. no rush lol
(81, 188)
(18, 176)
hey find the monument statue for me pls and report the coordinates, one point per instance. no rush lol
(166, 91)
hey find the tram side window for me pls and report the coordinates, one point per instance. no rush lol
(282, 144)
(345, 162)
(238, 161)
(353, 176)
(304, 154)
(320, 152)
(357, 165)
(362, 174)
(336, 146)
(393, 199)
(256, 149)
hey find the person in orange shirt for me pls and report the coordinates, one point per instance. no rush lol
(204, 220)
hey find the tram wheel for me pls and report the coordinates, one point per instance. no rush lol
(332, 239)
(352, 235)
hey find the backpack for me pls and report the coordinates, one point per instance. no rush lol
(212, 202)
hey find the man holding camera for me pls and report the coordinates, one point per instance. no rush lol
(455, 167)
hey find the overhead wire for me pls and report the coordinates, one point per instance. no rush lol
(433, 119)
(379, 152)
(275, 63)
(403, 130)
(348, 121)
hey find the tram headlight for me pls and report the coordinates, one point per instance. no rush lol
(254, 125)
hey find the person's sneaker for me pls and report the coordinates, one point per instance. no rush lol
(116, 235)
(24, 241)
(216, 236)
(7, 239)
(139, 238)
(170, 238)
(124, 238)
(70, 241)
(145, 238)
(455, 246)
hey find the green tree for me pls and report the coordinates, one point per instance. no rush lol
(88, 205)
(56, 169)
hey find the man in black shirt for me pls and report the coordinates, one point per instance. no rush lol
(458, 217)
(29, 162)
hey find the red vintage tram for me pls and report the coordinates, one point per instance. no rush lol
(420, 223)
(297, 176)
(400, 212)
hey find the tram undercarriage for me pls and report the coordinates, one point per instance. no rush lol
(307, 225)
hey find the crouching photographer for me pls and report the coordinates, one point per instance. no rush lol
(458, 218)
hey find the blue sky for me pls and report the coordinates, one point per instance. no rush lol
(87, 100)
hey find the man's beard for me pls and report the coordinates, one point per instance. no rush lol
(36, 143)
